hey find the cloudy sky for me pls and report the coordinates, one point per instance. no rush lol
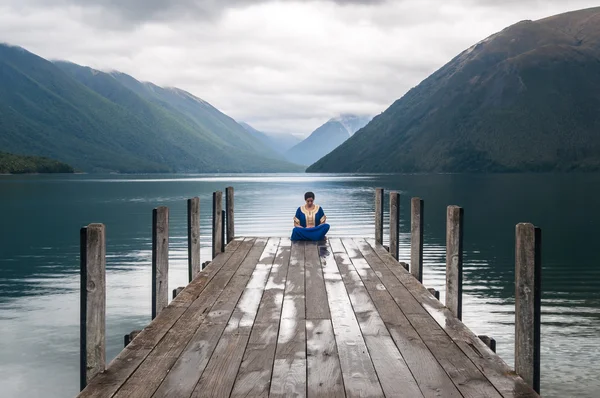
(282, 66)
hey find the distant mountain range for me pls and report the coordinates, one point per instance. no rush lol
(326, 138)
(524, 99)
(280, 143)
(107, 122)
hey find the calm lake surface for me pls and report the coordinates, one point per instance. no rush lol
(39, 257)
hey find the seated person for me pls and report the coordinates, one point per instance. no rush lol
(309, 223)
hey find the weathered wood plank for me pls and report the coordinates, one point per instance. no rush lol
(153, 370)
(289, 368)
(160, 259)
(360, 378)
(217, 223)
(220, 374)
(468, 379)
(528, 269)
(430, 376)
(394, 224)
(107, 383)
(230, 214)
(254, 376)
(324, 375)
(379, 215)
(504, 379)
(193, 235)
(316, 296)
(394, 375)
(93, 302)
(454, 260)
(416, 238)
(206, 320)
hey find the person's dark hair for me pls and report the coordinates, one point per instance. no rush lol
(309, 195)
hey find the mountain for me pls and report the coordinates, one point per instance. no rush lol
(524, 99)
(17, 164)
(326, 138)
(90, 119)
(280, 143)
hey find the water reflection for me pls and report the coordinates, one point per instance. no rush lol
(39, 281)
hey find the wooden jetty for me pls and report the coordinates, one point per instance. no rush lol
(270, 318)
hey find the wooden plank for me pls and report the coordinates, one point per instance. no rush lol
(270, 306)
(394, 224)
(93, 302)
(379, 215)
(430, 376)
(394, 375)
(468, 379)
(316, 296)
(217, 223)
(254, 376)
(107, 383)
(193, 234)
(528, 269)
(289, 367)
(360, 378)
(206, 320)
(504, 379)
(416, 238)
(220, 374)
(324, 374)
(150, 374)
(230, 214)
(454, 260)
(160, 259)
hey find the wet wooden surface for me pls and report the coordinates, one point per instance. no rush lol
(269, 317)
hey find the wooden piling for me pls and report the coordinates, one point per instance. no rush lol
(488, 341)
(177, 291)
(193, 230)
(223, 224)
(416, 238)
(394, 224)
(217, 223)
(434, 292)
(528, 269)
(160, 259)
(454, 260)
(230, 217)
(128, 338)
(379, 216)
(93, 302)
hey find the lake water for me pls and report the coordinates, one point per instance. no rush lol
(39, 257)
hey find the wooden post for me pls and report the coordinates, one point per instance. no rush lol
(217, 226)
(528, 270)
(128, 338)
(454, 260)
(416, 238)
(92, 302)
(394, 224)
(193, 229)
(160, 259)
(488, 341)
(379, 216)
(177, 291)
(434, 292)
(230, 220)
(223, 224)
